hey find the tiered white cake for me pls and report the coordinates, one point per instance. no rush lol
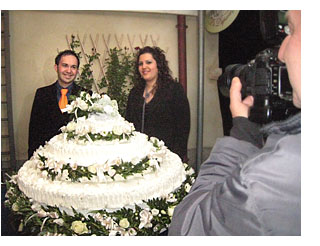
(99, 163)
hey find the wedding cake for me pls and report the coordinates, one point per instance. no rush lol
(99, 177)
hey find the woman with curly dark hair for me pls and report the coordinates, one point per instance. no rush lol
(157, 105)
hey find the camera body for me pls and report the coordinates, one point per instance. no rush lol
(265, 78)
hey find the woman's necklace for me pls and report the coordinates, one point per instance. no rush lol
(146, 96)
(150, 92)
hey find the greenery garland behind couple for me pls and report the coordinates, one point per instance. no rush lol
(118, 78)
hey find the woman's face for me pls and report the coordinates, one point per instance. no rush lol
(148, 68)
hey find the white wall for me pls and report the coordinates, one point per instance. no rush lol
(36, 37)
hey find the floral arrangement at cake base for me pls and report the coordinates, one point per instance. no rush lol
(150, 218)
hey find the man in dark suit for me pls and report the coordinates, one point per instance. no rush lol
(46, 115)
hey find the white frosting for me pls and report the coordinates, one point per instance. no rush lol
(97, 152)
(102, 195)
(101, 192)
(99, 124)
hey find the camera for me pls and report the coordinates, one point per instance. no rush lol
(265, 77)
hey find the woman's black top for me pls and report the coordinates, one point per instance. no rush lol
(167, 116)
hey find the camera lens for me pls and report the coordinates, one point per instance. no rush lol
(231, 71)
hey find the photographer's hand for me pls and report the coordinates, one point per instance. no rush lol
(239, 107)
(243, 129)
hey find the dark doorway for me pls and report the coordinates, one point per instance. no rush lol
(239, 43)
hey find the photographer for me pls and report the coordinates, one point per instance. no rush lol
(248, 186)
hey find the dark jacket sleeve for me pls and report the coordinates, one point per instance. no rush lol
(130, 107)
(168, 118)
(46, 118)
(181, 112)
(243, 129)
(39, 129)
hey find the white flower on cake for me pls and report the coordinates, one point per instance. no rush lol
(170, 210)
(81, 104)
(74, 166)
(82, 129)
(58, 166)
(65, 175)
(154, 163)
(44, 174)
(50, 164)
(154, 211)
(71, 126)
(59, 221)
(124, 223)
(42, 213)
(92, 103)
(36, 207)
(108, 109)
(98, 217)
(171, 198)
(135, 160)
(54, 215)
(79, 227)
(92, 169)
(156, 141)
(40, 164)
(15, 207)
(109, 223)
(145, 219)
(105, 167)
(118, 129)
(187, 188)
(111, 172)
(115, 162)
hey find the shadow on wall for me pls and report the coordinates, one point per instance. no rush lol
(23, 123)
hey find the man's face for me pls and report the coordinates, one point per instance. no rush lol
(290, 54)
(67, 70)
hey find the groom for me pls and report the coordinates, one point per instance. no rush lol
(46, 115)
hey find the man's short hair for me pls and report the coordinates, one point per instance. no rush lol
(65, 53)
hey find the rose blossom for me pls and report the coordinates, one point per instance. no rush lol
(73, 166)
(154, 211)
(79, 227)
(92, 169)
(187, 187)
(71, 126)
(82, 104)
(124, 223)
(117, 129)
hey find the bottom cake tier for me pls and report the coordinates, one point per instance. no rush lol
(112, 194)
